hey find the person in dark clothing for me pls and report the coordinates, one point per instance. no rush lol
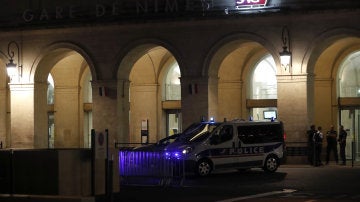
(318, 138)
(342, 143)
(331, 137)
(310, 135)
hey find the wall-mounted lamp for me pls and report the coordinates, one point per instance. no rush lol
(13, 69)
(285, 55)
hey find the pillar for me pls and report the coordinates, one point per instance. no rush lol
(293, 106)
(40, 115)
(66, 107)
(105, 108)
(22, 114)
(144, 106)
(123, 111)
(195, 99)
(3, 117)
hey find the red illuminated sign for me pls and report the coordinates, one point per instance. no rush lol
(250, 3)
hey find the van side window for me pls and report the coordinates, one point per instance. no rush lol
(260, 133)
(223, 134)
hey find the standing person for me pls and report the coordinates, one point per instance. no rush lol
(318, 138)
(310, 144)
(342, 143)
(331, 137)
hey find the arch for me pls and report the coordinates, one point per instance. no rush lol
(231, 42)
(322, 62)
(242, 51)
(134, 50)
(322, 42)
(55, 54)
(142, 49)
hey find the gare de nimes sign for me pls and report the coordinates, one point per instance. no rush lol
(132, 9)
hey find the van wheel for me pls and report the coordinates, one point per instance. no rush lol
(271, 164)
(203, 168)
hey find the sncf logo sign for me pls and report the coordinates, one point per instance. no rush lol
(250, 3)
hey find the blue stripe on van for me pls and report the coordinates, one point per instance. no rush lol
(242, 151)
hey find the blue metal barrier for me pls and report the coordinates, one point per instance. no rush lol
(150, 168)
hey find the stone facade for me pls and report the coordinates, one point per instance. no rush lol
(127, 59)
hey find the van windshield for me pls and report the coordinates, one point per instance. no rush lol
(197, 132)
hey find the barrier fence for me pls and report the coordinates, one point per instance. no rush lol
(150, 168)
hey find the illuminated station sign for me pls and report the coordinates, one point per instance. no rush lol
(248, 4)
(61, 12)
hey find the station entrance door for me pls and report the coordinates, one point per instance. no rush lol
(350, 119)
(173, 122)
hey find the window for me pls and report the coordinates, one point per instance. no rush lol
(172, 83)
(264, 83)
(260, 133)
(50, 90)
(349, 76)
(223, 134)
(264, 86)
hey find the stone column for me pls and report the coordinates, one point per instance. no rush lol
(144, 106)
(3, 117)
(105, 108)
(324, 104)
(22, 116)
(66, 107)
(195, 99)
(123, 111)
(293, 106)
(231, 102)
(213, 89)
(41, 134)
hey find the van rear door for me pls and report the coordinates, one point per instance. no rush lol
(251, 147)
(259, 140)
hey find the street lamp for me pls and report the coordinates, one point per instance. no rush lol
(285, 55)
(13, 69)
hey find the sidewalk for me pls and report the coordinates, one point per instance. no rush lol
(331, 164)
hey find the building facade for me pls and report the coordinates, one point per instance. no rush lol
(129, 66)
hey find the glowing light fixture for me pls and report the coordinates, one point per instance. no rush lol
(285, 55)
(13, 69)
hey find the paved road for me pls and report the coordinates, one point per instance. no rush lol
(290, 183)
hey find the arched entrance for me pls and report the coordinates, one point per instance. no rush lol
(63, 100)
(335, 99)
(349, 102)
(240, 94)
(151, 98)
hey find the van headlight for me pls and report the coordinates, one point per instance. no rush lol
(187, 150)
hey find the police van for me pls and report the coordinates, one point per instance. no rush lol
(208, 146)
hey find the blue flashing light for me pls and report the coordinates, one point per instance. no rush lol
(173, 155)
(177, 155)
(167, 155)
(272, 119)
(212, 119)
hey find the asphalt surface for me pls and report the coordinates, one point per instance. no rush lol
(291, 183)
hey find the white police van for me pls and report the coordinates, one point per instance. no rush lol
(207, 146)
